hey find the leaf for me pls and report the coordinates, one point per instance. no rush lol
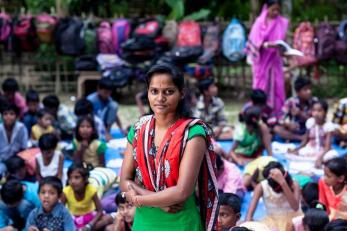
(177, 11)
(198, 15)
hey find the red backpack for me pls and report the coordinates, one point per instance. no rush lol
(5, 27)
(304, 41)
(326, 35)
(150, 28)
(45, 25)
(104, 34)
(25, 34)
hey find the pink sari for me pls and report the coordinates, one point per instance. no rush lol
(267, 63)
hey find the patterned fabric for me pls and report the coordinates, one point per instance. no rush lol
(66, 119)
(59, 219)
(340, 114)
(159, 169)
(306, 111)
(336, 203)
(213, 115)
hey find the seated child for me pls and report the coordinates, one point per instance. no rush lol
(252, 174)
(124, 217)
(210, 109)
(50, 161)
(30, 117)
(337, 225)
(296, 111)
(317, 141)
(281, 196)
(13, 134)
(333, 188)
(315, 220)
(43, 126)
(229, 177)
(82, 200)
(249, 138)
(84, 107)
(52, 214)
(104, 106)
(10, 88)
(15, 206)
(86, 145)
(229, 211)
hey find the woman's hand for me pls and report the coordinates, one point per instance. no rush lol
(130, 194)
(277, 176)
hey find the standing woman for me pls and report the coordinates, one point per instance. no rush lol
(167, 155)
(264, 55)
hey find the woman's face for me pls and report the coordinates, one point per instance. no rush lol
(163, 94)
(274, 10)
(85, 129)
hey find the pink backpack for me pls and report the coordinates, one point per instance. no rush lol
(189, 34)
(304, 41)
(5, 27)
(45, 25)
(104, 34)
(120, 34)
(25, 34)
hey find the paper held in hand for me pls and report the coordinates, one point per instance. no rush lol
(288, 50)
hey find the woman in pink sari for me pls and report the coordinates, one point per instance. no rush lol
(264, 55)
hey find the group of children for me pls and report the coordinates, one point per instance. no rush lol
(290, 203)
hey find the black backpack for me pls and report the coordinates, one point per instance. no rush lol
(69, 37)
(86, 63)
(120, 76)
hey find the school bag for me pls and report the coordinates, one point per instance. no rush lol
(342, 30)
(104, 36)
(24, 31)
(234, 41)
(120, 34)
(188, 45)
(69, 37)
(5, 27)
(210, 44)
(86, 63)
(120, 76)
(90, 37)
(326, 36)
(304, 37)
(341, 43)
(149, 28)
(45, 25)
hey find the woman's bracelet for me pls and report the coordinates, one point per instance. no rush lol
(137, 203)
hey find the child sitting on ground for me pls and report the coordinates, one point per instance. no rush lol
(30, 117)
(86, 145)
(229, 211)
(296, 111)
(250, 137)
(10, 89)
(281, 196)
(315, 219)
(317, 142)
(43, 126)
(337, 225)
(50, 161)
(333, 188)
(13, 134)
(82, 200)
(52, 214)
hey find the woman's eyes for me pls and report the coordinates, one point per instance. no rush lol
(166, 92)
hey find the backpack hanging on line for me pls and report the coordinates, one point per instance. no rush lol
(341, 44)
(234, 41)
(25, 34)
(326, 36)
(210, 44)
(104, 35)
(90, 38)
(5, 27)
(120, 34)
(304, 37)
(45, 25)
(150, 28)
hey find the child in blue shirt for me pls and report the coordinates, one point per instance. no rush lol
(52, 214)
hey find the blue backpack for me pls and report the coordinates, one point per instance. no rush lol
(234, 41)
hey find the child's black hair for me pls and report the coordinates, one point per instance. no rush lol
(48, 141)
(337, 225)
(231, 200)
(119, 199)
(219, 162)
(204, 84)
(32, 96)
(105, 83)
(301, 82)
(251, 116)
(12, 192)
(14, 163)
(51, 101)
(338, 166)
(237, 228)
(83, 107)
(81, 167)
(10, 85)
(315, 219)
(310, 193)
(92, 123)
(54, 181)
(258, 97)
(323, 104)
(273, 184)
(42, 112)
(10, 107)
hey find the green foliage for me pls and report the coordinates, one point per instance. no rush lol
(199, 15)
(38, 6)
